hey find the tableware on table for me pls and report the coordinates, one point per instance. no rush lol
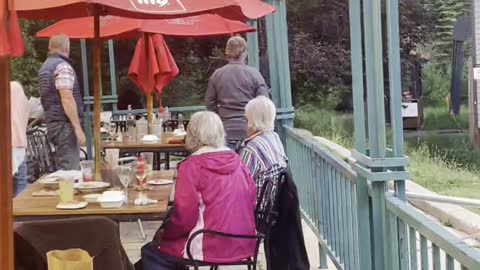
(160, 182)
(142, 199)
(148, 158)
(87, 167)
(141, 128)
(111, 199)
(66, 190)
(112, 131)
(71, 205)
(51, 180)
(91, 198)
(92, 187)
(140, 172)
(125, 174)
(150, 139)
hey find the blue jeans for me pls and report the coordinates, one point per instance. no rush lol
(20, 179)
(153, 259)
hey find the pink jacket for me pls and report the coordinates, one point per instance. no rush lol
(213, 191)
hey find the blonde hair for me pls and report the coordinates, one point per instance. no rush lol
(236, 48)
(59, 43)
(260, 113)
(205, 129)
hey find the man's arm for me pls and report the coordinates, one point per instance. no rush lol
(70, 108)
(262, 87)
(211, 97)
(64, 81)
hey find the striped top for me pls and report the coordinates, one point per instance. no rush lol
(264, 156)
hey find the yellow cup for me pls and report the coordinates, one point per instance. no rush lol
(66, 190)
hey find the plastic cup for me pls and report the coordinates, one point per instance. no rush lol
(87, 170)
(66, 190)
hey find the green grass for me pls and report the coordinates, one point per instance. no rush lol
(438, 118)
(443, 164)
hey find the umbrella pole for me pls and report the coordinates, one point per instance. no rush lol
(6, 224)
(149, 83)
(96, 94)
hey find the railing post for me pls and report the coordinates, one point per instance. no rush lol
(363, 200)
(277, 43)
(396, 116)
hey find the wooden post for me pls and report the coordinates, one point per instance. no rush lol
(6, 222)
(472, 113)
(149, 83)
(96, 94)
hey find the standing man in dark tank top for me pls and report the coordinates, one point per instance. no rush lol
(231, 87)
(62, 103)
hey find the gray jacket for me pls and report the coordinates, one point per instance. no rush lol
(229, 90)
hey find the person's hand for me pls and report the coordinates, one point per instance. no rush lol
(80, 137)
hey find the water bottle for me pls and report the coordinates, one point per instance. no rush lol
(130, 122)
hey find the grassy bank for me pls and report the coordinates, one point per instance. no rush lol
(446, 165)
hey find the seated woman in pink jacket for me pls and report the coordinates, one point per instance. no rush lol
(213, 191)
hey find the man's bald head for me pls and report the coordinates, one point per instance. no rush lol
(59, 44)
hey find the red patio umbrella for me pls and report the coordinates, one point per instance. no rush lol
(152, 62)
(113, 27)
(10, 45)
(142, 9)
(154, 9)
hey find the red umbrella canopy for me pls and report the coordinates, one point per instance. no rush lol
(142, 9)
(161, 65)
(11, 42)
(112, 27)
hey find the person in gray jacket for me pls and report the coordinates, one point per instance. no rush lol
(231, 87)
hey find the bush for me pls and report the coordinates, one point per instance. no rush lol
(438, 118)
(436, 84)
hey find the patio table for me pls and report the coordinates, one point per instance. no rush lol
(135, 146)
(27, 207)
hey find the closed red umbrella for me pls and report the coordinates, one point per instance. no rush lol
(11, 42)
(113, 27)
(152, 66)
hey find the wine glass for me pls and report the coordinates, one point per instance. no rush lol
(112, 131)
(148, 158)
(125, 176)
(140, 172)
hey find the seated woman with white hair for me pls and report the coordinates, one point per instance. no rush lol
(262, 152)
(213, 191)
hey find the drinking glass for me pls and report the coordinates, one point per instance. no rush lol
(140, 172)
(125, 173)
(148, 158)
(66, 190)
(112, 131)
(87, 167)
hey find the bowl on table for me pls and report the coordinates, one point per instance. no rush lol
(91, 198)
(92, 187)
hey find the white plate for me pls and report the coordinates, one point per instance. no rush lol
(72, 205)
(93, 184)
(52, 181)
(160, 182)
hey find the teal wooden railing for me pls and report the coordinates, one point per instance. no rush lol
(326, 187)
(331, 198)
